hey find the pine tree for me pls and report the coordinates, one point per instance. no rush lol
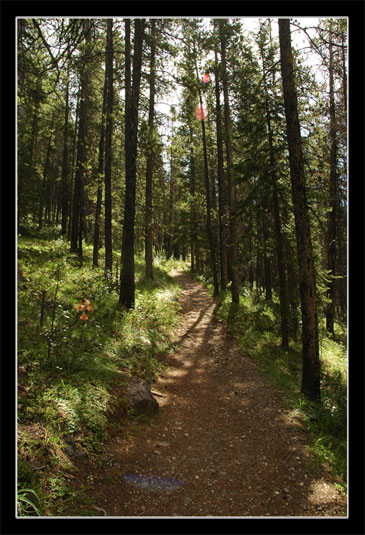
(78, 195)
(132, 89)
(230, 179)
(150, 157)
(108, 147)
(311, 364)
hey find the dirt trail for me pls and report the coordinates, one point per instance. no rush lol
(223, 443)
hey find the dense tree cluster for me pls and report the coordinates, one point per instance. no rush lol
(245, 177)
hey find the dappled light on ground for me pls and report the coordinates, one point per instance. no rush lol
(223, 442)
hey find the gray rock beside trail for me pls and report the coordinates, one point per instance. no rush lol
(141, 398)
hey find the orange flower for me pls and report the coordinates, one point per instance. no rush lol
(87, 302)
(89, 308)
(80, 306)
(84, 317)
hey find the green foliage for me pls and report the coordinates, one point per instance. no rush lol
(26, 505)
(68, 367)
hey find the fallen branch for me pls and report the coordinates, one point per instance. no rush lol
(99, 509)
(157, 394)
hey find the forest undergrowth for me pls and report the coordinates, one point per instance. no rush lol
(77, 349)
(255, 323)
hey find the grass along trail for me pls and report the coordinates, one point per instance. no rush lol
(222, 444)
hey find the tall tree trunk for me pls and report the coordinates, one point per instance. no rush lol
(44, 196)
(127, 288)
(332, 216)
(171, 216)
(108, 147)
(311, 363)
(266, 259)
(150, 157)
(74, 150)
(77, 212)
(233, 246)
(64, 186)
(283, 294)
(222, 197)
(192, 205)
(209, 209)
(213, 265)
(284, 312)
(210, 235)
(344, 82)
(22, 198)
(100, 179)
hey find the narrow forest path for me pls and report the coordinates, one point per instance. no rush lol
(223, 443)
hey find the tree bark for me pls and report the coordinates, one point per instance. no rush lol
(108, 148)
(332, 216)
(222, 197)
(233, 246)
(193, 229)
(64, 188)
(74, 150)
(311, 363)
(76, 230)
(127, 286)
(100, 179)
(284, 312)
(150, 157)
(42, 199)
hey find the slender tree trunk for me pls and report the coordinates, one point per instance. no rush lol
(284, 312)
(192, 206)
(210, 235)
(100, 179)
(108, 147)
(64, 188)
(171, 218)
(222, 197)
(127, 288)
(266, 259)
(283, 295)
(150, 157)
(72, 186)
(233, 247)
(311, 363)
(344, 83)
(332, 216)
(22, 202)
(77, 212)
(44, 197)
(209, 209)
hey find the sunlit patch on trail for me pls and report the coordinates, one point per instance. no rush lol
(152, 483)
(201, 112)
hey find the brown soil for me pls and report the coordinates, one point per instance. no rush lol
(222, 444)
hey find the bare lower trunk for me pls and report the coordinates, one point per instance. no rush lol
(233, 246)
(150, 156)
(127, 285)
(108, 148)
